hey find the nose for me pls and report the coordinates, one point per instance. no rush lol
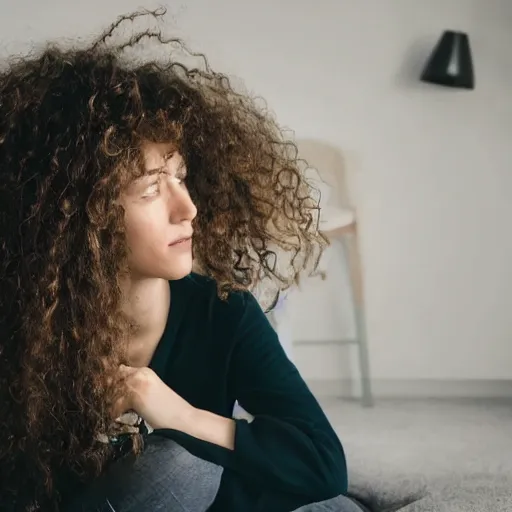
(181, 206)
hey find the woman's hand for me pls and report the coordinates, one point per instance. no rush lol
(147, 395)
(160, 407)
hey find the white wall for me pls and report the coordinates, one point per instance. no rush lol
(433, 165)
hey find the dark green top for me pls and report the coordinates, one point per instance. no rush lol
(214, 352)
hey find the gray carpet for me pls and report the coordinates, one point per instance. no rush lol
(456, 454)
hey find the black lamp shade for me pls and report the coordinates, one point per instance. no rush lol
(450, 63)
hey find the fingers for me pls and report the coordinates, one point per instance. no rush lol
(124, 402)
(127, 370)
(122, 374)
(132, 382)
(121, 406)
(123, 371)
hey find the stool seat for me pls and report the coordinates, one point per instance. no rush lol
(335, 220)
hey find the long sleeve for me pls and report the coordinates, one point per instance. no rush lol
(289, 449)
(290, 446)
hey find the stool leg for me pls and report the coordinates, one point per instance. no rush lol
(356, 293)
(364, 359)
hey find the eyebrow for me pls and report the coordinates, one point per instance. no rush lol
(166, 157)
(150, 172)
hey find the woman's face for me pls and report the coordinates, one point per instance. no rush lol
(158, 217)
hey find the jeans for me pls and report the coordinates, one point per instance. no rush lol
(167, 478)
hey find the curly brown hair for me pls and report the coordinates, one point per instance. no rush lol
(71, 126)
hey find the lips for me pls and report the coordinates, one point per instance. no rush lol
(180, 240)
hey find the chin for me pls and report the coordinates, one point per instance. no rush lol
(178, 272)
(173, 270)
(178, 276)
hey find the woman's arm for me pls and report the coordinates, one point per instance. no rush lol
(289, 447)
(210, 427)
(162, 408)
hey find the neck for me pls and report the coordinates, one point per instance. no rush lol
(146, 303)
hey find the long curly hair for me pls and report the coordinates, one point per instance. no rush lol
(72, 121)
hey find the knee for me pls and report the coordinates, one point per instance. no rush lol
(194, 481)
(168, 454)
(164, 477)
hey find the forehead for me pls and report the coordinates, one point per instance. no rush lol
(154, 154)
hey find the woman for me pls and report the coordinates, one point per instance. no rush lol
(119, 365)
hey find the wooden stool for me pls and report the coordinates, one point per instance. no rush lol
(340, 224)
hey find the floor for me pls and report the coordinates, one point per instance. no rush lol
(456, 453)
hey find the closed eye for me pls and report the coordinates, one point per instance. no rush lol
(152, 190)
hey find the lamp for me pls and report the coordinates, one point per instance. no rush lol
(450, 63)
